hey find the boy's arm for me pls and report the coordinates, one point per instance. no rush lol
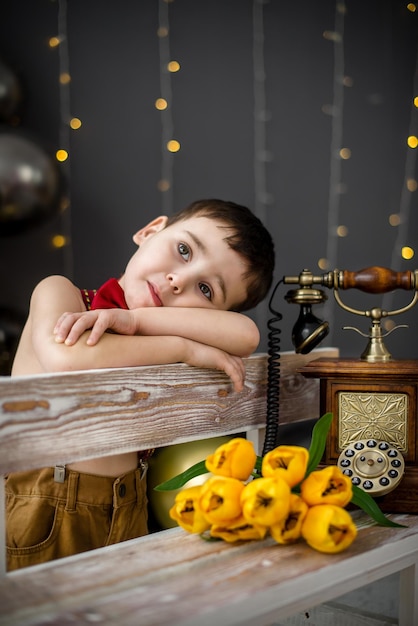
(232, 332)
(56, 294)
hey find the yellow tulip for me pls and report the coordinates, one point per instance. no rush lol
(289, 528)
(328, 528)
(235, 459)
(238, 530)
(289, 462)
(220, 499)
(265, 501)
(327, 486)
(186, 512)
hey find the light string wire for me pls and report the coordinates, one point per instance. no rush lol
(336, 145)
(64, 132)
(406, 194)
(167, 127)
(261, 115)
(261, 155)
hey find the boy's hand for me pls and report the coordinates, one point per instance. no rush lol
(71, 326)
(201, 355)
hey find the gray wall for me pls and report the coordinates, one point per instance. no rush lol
(116, 157)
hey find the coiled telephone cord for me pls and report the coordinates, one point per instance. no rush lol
(273, 377)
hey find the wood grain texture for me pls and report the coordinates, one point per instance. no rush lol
(59, 418)
(179, 579)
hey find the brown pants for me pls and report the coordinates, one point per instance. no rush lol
(47, 520)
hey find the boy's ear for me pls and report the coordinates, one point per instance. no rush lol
(159, 223)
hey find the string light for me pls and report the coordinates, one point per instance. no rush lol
(61, 155)
(261, 116)
(173, 145)
(61, 241)
(262, 155)
(65, 78)
(345, 153)
(401, 220)
(75, 123)
(407, 252)
(54, 42)
(338, 153)
(173, 66)
(163, 104)
(394, 219)
(411, 184)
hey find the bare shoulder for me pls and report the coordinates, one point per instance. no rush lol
(57, 292)
(53, 282)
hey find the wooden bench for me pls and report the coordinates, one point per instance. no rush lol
(172, 577)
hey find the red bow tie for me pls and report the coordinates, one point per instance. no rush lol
(109, 296)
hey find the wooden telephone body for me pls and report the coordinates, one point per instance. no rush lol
(373, 402)
(374, 433)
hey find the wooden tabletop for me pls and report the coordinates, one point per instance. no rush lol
(173, 578)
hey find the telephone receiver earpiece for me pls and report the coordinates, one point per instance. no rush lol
(308, 331)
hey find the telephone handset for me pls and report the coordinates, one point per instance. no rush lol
(373, 436)
(373, 280)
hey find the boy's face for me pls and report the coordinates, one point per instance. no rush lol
(187, 264)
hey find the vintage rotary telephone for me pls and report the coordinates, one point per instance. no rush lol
(373, 438)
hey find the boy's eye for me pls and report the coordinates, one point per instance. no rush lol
(207, 292)
(184, 251)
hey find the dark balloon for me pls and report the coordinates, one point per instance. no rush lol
(10, 93)
(31, 184)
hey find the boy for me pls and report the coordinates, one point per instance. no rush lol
(177, 301)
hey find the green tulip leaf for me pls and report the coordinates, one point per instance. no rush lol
(257, 466)
(365, 502)
(177, 482)
(318, 442)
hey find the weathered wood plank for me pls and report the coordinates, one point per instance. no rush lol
(59, 418)
(176, 578)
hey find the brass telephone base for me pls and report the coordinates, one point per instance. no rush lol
(373, 401)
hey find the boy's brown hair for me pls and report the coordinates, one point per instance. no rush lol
(251, 240)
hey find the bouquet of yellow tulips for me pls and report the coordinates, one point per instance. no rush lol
(282, 494)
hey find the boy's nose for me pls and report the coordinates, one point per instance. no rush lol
(176, 282)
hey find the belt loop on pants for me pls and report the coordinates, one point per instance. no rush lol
(138, 485)
(72, 491)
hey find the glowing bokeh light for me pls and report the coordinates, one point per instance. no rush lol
(54, 42)
(163, 185)
(173, 66)
(61, 155)
(161, 104)
(173, 145)
(65, 78)
(75, 123)
(59, 241)
(394, 219)
(407, 252)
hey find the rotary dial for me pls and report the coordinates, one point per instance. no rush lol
(373, 465)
